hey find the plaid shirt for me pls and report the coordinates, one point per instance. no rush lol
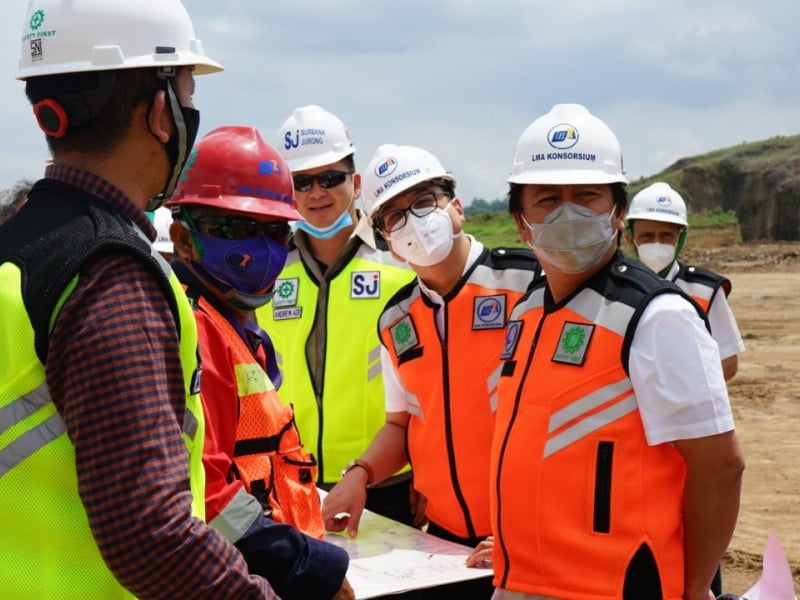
(114, 373)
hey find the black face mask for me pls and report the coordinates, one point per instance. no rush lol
(179, 145)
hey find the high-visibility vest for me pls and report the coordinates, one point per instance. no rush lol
(47, 549)
(701, 284)
(581, 505)
(268, 457)
(451, 383)
(338, 421)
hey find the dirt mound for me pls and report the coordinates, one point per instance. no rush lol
(783, 257)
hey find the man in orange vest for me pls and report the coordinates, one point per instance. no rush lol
(442, 336)
(232, 208)
(615, 468)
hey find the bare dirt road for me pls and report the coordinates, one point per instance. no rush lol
(765, 396)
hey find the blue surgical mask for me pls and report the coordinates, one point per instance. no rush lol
(326, 233)
(243, 270)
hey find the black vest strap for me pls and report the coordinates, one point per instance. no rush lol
(55, 236)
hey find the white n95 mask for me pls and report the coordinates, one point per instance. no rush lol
(656, 256)
(572, 238)
(424, 241)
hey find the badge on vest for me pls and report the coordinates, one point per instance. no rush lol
(281, 314)
(489, 312)
(286, 292)
(512, 337)
(404, 335)
(573, 343)
(365, 284)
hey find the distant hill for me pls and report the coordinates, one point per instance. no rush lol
(757, 183)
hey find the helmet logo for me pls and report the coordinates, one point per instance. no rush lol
(664, 201)
(37, 19)
(386, 167)
(269, 167)
(238, 259)
(563, 136)
(290, 143)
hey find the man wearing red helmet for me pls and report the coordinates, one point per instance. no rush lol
(232, 208)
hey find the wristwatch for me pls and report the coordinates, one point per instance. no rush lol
(359, 463)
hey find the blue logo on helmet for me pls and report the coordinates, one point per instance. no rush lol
(664, 201)
(386, 167)
(563, 136)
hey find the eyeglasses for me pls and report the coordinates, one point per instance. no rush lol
(327, 180)
(392, 220)
(238, 228)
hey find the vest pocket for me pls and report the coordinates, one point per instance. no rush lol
(295, 493)
(602, 487)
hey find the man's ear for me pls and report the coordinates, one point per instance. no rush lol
(181, 240)
(356, 185)
(522, 229)
(159, 121)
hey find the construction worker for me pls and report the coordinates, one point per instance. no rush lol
(232, 205)
(101, 476)
(442, 336)
(323, 316)
(615, 468)
(656, 225)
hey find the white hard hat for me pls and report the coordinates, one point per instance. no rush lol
(568, 145)
(395, 169)
(72, 36)
(658, 202)
(312, 137)
(162, 219)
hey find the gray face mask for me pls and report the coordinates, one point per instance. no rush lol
(572, 238)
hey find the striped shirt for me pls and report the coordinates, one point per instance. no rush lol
(114, 373)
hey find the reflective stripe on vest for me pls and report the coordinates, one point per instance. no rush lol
(352, 400)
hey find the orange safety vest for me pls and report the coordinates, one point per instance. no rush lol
(269, 458)
(581, 506)
(701, 284)
(452, 383)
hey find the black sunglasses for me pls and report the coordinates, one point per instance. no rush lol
(326, 179)
(238, 228)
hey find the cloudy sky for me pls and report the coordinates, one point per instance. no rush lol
(463, 78)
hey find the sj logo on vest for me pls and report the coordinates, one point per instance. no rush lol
(489, 312)
(572, 344)
(285, 292)
(365, 284)
(404, 335)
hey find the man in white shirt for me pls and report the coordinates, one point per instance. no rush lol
(656, 224)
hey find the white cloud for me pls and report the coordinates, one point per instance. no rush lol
(463, 78)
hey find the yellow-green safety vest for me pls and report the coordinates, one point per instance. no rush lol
(339, 425)
(46, 547)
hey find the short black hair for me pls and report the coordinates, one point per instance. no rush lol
(106, 124)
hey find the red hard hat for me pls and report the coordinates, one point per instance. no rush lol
(233, 168)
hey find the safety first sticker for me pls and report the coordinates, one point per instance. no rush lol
(573, 343)
(404, 335)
